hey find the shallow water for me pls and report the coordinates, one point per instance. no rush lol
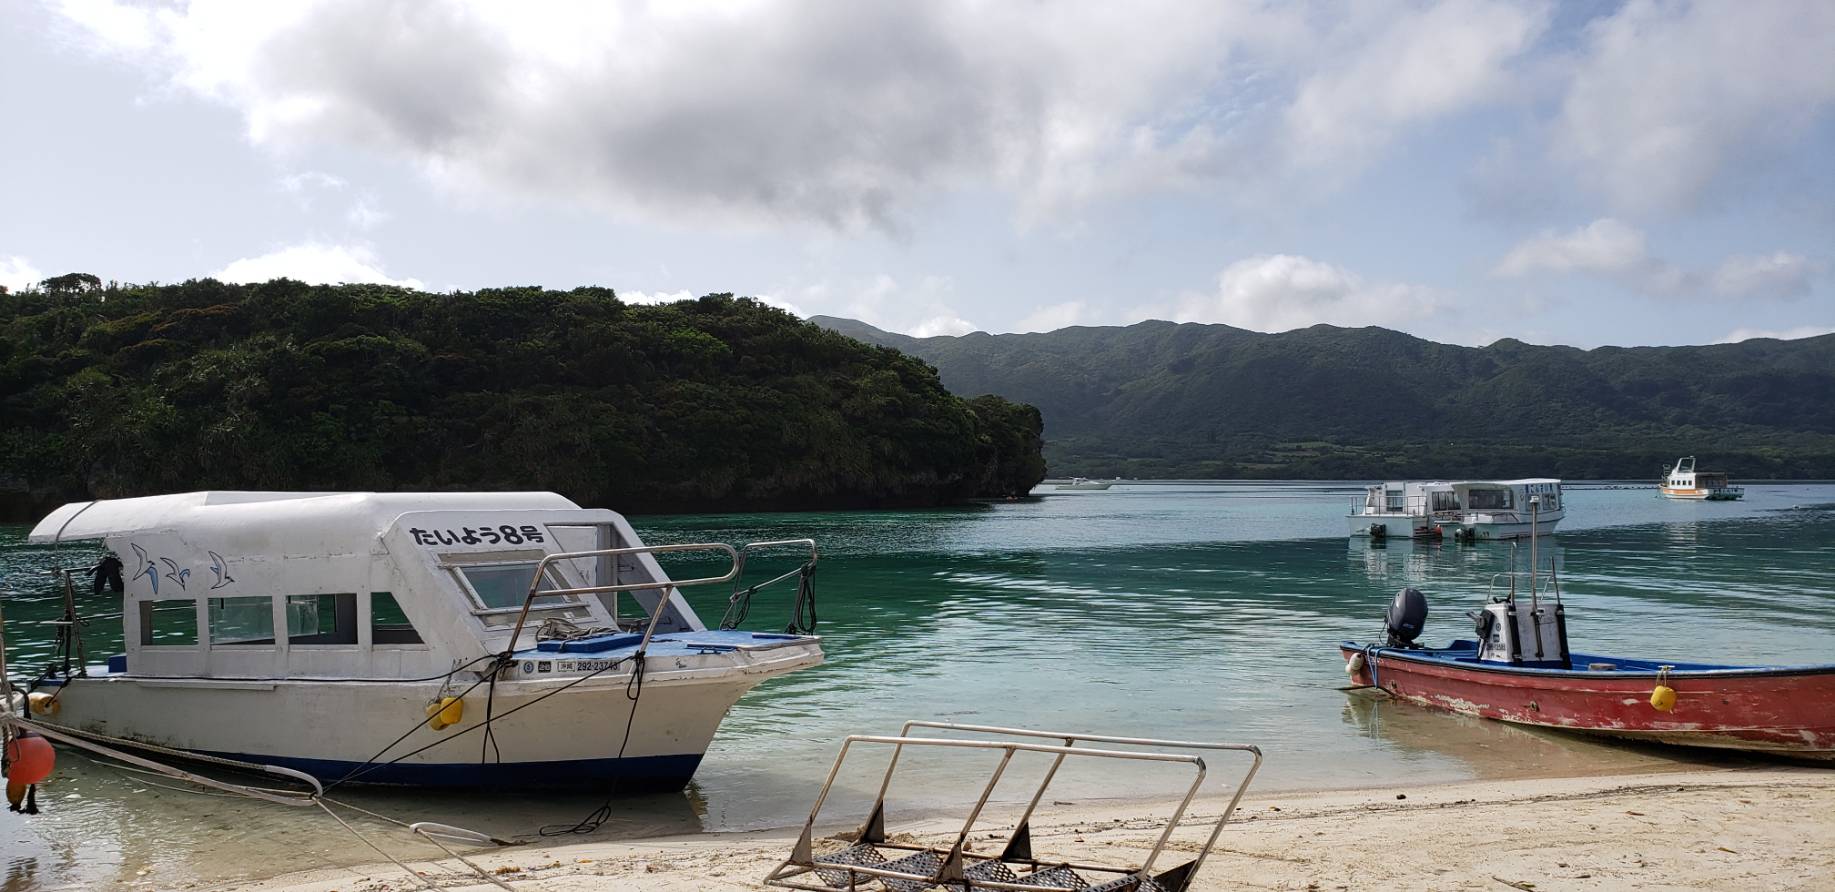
(1204, 611)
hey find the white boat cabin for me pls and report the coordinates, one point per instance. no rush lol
(1486, 508)
(353, 585)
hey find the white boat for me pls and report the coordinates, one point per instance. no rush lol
(1086, 483)
(310, 630)
(1684, 482)
(1478, 509)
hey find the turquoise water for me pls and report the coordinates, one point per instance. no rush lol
(1180, 610)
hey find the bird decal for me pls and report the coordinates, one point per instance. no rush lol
(220, 567)
(174, 573)
(146, 567)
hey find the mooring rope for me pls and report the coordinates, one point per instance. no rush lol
(268, 794)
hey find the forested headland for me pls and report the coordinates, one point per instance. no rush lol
(720, 403)
(1158, 399)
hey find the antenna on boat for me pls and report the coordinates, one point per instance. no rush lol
(1512, 597)
(1535, 505)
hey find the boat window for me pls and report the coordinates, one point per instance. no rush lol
(322, 619)
(499, 586)
(388, 624)
(247, 620)
(1488, 498)
(171, 623)
(1444, 500)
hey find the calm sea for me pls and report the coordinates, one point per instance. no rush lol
(1201, 610)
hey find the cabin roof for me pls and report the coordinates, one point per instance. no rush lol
(339, 514)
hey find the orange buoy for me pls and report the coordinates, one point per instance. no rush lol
(29, 759)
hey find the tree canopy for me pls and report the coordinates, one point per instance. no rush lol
(716, 403)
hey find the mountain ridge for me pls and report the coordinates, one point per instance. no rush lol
(1190, 399)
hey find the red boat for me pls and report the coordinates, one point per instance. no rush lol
(1521, 671)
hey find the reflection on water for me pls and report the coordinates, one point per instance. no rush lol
(1198, 611)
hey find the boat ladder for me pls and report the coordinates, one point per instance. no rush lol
(870, 856)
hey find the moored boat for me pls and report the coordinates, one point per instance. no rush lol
(1476, 509)
(1684, 482)
(1086, 483)
(1787, 710)
(1520, 670)
(364, 636)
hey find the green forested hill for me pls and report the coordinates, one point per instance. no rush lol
(707, 404)
(1187, 400)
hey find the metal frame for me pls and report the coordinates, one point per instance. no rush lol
(741, 598)
(737, 555)
(954, 868)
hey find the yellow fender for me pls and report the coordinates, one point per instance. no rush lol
(445, 712)
(1663, 699)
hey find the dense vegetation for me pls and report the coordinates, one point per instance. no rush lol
(1163, 400)
(716, 403)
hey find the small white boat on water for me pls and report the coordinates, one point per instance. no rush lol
(370, 636)
(1478, 509)
(1086, 483)
(1684, 482)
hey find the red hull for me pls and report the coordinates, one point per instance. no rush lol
(1785, 713)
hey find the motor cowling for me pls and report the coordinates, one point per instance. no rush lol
(1406, 617)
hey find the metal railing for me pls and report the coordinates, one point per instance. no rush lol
(667, 587)
(948, 865)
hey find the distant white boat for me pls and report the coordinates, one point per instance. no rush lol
(1482, 509)
(1086, 483)
(1684, 482)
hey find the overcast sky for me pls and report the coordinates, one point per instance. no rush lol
(1644, 173)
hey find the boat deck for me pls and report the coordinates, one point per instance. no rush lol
(623, 644)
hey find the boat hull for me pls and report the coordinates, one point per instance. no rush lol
(1509, 525)
(577, 736)
(1701, 495)
(1395, 526)
(1788, 712)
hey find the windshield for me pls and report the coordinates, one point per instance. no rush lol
(496, 586)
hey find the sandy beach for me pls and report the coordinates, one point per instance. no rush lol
(1725, 828)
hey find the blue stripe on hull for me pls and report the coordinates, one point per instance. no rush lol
(633, 774)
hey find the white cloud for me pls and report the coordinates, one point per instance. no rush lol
(1788, 334)
(942, 325)
(1778, 274)
(1666, 98)
(116, 26)
(1278, 292)
(1619, 252)
(307, 180)
(838, 114)
(315, 263)
(1057, 316)
(18, 273)
(923, 309)
(366, 213)
(1605, 245)
(1417, 64)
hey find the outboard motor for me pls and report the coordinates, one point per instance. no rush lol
(1406, 617)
